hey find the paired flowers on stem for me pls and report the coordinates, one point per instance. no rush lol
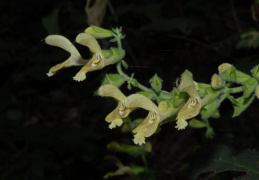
(99, 58)
(156, 114)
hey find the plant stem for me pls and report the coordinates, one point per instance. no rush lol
(234, 90)
(140, 86)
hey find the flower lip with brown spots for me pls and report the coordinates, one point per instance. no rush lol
(192, 107)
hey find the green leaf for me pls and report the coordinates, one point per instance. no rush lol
(240, 104)
(209, 133)
(98, 32)
(106, 53)
(134, 83)
(211, 94)
(114, 79)
(132, 150)
(129, 86)
(229, 74)
(255, 72)
(249, 86)
(124, 64)
(208, 110)
(179, 97)
(148, 94)
(241, 77)
(117, 54)
(219, 158)
(194, 123)
(202, 88)
(156, 83)
(113, 40)
(164, 95)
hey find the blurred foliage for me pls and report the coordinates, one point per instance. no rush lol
(53, 128)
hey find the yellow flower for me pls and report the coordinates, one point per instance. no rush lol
(97, 61)
(121, 111)
(149, 125)
(192, 107)
(75, 58)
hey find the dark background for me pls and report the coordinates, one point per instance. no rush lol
(54, 128)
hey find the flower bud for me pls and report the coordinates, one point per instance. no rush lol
(216, 81)
(223, 67)
(98, 32)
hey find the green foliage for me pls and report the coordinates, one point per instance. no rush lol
(208, 110)
(156, 83)
(240, 104)
(114, 79)
(221, 158)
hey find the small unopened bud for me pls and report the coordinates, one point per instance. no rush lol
(148, 147)
(223, 67)
(162, 106)
(216, 81)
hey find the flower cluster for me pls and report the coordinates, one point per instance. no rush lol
(130, 103)
(156, 114)
(100, 58)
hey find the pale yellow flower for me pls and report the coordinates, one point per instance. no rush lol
(149, 125)
(75, 58)
(121, 111)
(192, 107)
(96, 62)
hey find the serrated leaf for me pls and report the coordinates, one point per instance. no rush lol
(208, 110)
(114, 79)
(249, 86)
(148, 94)
(156, 83)
(240, 104)
(241, 77)
(219, 158)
